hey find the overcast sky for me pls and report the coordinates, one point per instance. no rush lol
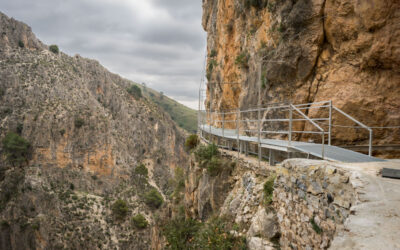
(159, 42)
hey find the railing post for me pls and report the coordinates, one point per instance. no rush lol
(330, 123)
(323, 145)
(290, 124)
(223, 124)
(370, 143)
(259, 135)
(237, 131)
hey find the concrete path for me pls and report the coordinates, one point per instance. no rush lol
(374, 222)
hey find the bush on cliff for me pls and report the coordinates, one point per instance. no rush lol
(135, 91)
(120, 209)
(16, 148)
(269, 190)
(79, 122)
(183, 233)
(191, 142)
(54, 48)
(242, 60)
(141, 170)
(206, 153)
(153, 198)
(139, 221)
(180, 232)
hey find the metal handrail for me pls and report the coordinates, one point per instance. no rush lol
(361, 124)
(237, 117)
(315, 125)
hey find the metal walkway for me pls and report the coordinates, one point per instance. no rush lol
(284, 121)
(332, 153)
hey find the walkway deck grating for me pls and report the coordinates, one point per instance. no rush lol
(332, 153)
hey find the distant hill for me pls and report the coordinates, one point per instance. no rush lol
(185, 117)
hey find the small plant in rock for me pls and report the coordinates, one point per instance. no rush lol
(153, 198)
(213, 53)
(141, 170)
(315, 227)
(135, 91)
(16, 148)
(2, 92)
(211, 65)
(269, 190)
(139, 221)
(79, 122)
(120, 209)
(54, 48)
(191, 142)
(21, 44)
(242, 60)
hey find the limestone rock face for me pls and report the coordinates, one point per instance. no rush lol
(305, 51)
(88, 135)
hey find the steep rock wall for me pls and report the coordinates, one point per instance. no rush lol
(305, 51)
(88, 135)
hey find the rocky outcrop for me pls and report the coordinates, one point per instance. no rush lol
(306, 51)
(88, 135)
(235, 194)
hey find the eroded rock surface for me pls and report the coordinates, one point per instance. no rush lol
(305, 51)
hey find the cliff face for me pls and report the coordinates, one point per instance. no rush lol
(88, 135)
(306, 51)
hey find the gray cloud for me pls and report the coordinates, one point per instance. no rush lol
(159, 42)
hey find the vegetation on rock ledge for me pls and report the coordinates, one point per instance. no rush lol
(191, 142)
(139, 221)
(120, 209)
(16, 148)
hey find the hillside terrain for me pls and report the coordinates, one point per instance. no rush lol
(185, 117)
(84, 164)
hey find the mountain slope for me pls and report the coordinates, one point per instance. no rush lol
(184, 116)
(88, 136)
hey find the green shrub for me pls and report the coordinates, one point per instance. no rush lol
(206, 153)
(153, 198)
(213, 53)
(191, 142)
(269, 190)
(214, 166)
(21, 44)
(242, 60)
(141, 170)
(79, 122)
(180, 232)
(54, 48)
(135, 91)
(211, 65)
(2, 92)
(314, 225)
(16, 148)
(139, 221)
(215, 235)
(120, 209)
(20, 127)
